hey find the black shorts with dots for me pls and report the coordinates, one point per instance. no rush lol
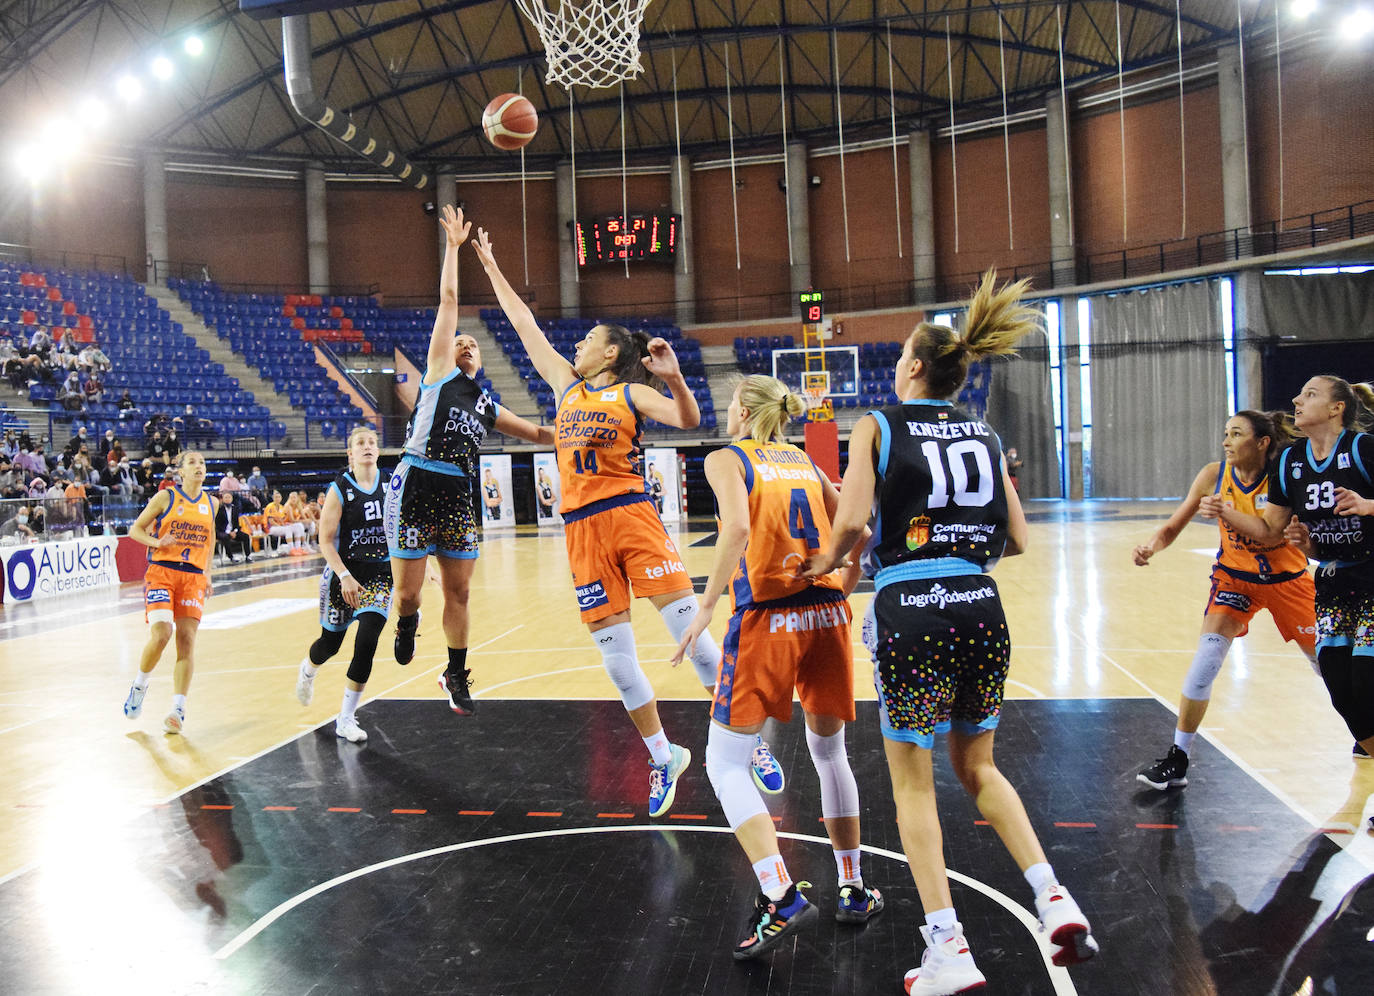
(375, 579)
(429, 512)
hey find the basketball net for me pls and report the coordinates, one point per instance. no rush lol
(593, 43)
(815, 387)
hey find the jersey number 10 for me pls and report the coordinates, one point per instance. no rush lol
(973, 492)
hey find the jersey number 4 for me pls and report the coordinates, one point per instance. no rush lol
(973, 490)
(800, 522)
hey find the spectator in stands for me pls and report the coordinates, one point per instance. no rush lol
(92, 356)
(9, 446)
(109, 477)
(67, 342)
(80, 437)
(126, 401)
(70, 394)
(229, 528)
(40, 343)
(38, 487)
(16, 528)
(93, 388)
(107, 443)
(1014, 465)
(169, 479)
(78, 507)
(129, 483)
(32, 460)
(229, 482)
(307, 514)
(172, 444)
(159, 466)
(144, 476)
(256, 482)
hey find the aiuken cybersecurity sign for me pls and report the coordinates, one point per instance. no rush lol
(62, 568)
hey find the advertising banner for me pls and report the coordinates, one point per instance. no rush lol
(660, 471)
(548, 491)
(494, 491)
(46, 570)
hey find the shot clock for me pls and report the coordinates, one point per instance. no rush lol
(812, 306)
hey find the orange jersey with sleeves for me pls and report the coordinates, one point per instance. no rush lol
(1240, 553)
(596, 434)
(787, 523)
(191, 522)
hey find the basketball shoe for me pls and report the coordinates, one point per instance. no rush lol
(946, 968)
(774, 920)
(1071, 939)
(766, 771)
(404, 646)
(133, 705)
(1169, 771)
(858, 904)
(305, 683)
(175, 720)
(663, 780)
(348, 729)
(458, 688)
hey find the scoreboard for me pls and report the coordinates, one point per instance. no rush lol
(612, 238)
(812, 306)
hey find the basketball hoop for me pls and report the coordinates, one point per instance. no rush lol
(593, 43)
(815, 388)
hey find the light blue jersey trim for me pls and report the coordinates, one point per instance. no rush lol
(434, 466)
(940, 567)
(884, 441)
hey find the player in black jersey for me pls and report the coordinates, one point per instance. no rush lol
(429, 501)
(945, 512)
(1321, 499)
(356, 584)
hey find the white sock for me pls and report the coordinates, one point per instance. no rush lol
(772, 876)
(179, 702)
(660, 748)
(847, 866)
(941, 924)
(350, 703)
(142, 678)
(1040, 876)
(308, 669)
(1184, 741)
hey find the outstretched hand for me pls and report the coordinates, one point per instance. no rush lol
(455, 228)
(483, 246)
(661, 361)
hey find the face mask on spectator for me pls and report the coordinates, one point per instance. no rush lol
(21, 519)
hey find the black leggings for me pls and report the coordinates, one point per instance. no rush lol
(1350, 683)
(370, 626)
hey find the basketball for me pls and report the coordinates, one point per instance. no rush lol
(510, 121)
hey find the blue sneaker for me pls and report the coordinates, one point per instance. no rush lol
(772, 922)
(766, 770)
(663, 780)
(858, 904)
(133, 705)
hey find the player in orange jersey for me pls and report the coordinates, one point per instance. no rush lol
(1247, 576)
(785, 632)
(616, 541)
(178, 527)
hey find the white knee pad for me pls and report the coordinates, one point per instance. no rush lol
(1211, 652)
(728, 756)
(618, 657)
(839, 790)
(705, 655)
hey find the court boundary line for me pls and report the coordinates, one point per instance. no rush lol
(1059, 977)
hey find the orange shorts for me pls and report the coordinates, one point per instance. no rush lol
(617, 549)
(1291, 603)
(770, 650)
(169, 594)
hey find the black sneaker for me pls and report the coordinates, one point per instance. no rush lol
(858, 903)
(404, 647)
(1358, 752)
(773, 922)
(459, 691)
(1170, 771)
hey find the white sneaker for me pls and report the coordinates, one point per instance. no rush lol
(305, 683)
(133, 705)
(175, 720)
(1070, 935)
(946, 968)
(348, 729)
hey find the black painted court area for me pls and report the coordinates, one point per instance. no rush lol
(1217, 888)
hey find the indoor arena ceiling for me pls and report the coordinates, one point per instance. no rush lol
(416, 75)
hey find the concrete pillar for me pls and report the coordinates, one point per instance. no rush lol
(1251, 330)
(1069, 365)
(1061, 194)
(684, 285)
(922, 197)
(799, 215)
(1235, 179)
(446, 192)
(569, 298)
(155, 211)
(316, 229)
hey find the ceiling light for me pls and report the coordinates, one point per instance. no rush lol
(193, 45)
(129, 87)
(1356, 25)
(162, 67)
(1303, 8)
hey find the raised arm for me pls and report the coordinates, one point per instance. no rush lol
(679, 409)
(557, 372)
(440, 362)
(522, 428)
(1203, 484)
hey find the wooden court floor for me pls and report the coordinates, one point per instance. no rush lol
(1100, 649)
